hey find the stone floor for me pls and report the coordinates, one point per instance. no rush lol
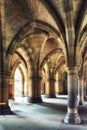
(48, 115)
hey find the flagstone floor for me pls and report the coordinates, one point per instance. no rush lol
(48, 115)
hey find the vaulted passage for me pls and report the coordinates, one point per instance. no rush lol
(43, 56)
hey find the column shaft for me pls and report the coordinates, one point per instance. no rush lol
(11, 88)
(84, 89)
(48, 92)
(72, 116)
(80, 91)
(4, 91)
(52, 87)
(34, 90)
(23, 92)
(30, 88)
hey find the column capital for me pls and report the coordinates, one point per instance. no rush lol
(80, 74)
(35, 77)
(81, 77)
(72, 70)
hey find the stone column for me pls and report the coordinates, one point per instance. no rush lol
(26, 87)
(34, 90)
(42, 88)
(23, 93)
(31, 91)
(11, 88)
(4, 91)
(84, 90)
(60, 86)
(52, 87)
(50, 84)
(48, 92)
(38, 96)
(57, 86)
(72, 116)
(80, 90)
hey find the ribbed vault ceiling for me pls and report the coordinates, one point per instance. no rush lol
(18, 13)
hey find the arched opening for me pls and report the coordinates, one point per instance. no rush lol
(18, 80)
(18, 90)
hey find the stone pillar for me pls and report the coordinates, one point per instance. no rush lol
(50, 84)
(34, 90)
(26, 86)
(60, 86)
(72, 116)
(31, 91)
(48, 92)
(4, 91)
(42, 88)
(57, 86)
(84, 90)
(80, 90)
(11, 88)
(52, 87)
(23, 93)
(38, 96)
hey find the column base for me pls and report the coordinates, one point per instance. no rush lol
(50, 96)
(85, 97)
(72, 119)
(81, 103)
(59, 93)
(35, 100)
(5, 109)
